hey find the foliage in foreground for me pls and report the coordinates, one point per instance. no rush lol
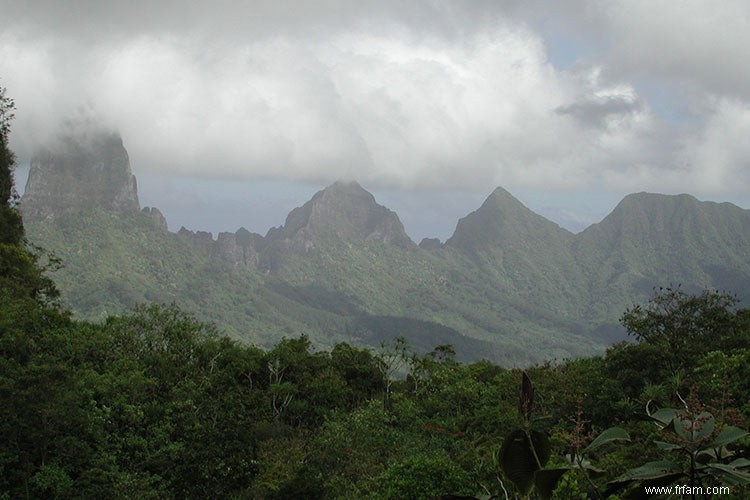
(156, 404)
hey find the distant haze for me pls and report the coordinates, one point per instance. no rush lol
(234, 111)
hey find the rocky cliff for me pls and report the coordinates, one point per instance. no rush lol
(79, 172)
(240, 249)
(345, 210)
(342, 213)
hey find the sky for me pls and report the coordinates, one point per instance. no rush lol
(233, 113)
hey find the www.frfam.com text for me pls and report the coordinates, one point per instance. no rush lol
(684, 489)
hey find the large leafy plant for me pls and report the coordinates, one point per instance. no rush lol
(525, 452)
(697, 453)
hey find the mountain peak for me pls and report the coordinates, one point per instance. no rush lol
(500, 220)
(80, 171)
(346, 195)
(500, 199)
(644, 199)
(344, 210)
(677, 238)
(649, 215)
(500, 195)
(346, 185)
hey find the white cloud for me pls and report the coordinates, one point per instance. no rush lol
(435, 96)
(390, 110)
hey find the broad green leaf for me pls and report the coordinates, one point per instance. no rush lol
(711, 455)
(541, 446)
(731, 475)
(546, 481)
(652, 470)
(694, 428)
(728, 435)
(519, 454)
(662, 445)
(517, 460)
(578, 462)
(683, 426)
(607, 436)
(664, 416)
(703, 425)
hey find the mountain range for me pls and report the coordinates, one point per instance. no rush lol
(508, 285)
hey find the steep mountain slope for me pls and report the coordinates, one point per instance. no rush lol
(344, 210)
(113, 262)
(522, 253)
(343, 244)
(81, 204)
(654, 240)
(343, 241)
(503, 224)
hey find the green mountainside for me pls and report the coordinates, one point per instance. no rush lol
(654, 239)
(523, 254)
(510, 285)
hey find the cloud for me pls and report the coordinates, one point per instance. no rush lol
(699, 43)
(719, 157)
(437, 95)
(596, 110)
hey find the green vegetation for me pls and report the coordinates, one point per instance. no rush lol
(111, 263)
(510, 286)
(10, 219)
(342, 292)
(20, 272)
(703, 455)
(155, 404)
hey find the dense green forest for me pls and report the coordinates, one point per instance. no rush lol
(155, 404)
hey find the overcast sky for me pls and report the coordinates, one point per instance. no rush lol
(233, 113)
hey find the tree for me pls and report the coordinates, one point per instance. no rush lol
(11, 227)
(392, 359)
(683, 326)
(7, 159)
(426, 476)
(360, 369)
(20, 272)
